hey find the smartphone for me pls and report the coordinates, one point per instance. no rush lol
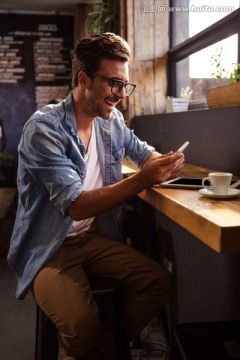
(183, 147)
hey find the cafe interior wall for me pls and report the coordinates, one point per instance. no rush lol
(13, 116)
(147, 34)
(24, 84)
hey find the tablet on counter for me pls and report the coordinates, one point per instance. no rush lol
(186, 183)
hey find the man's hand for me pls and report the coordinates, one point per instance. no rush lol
(160, 168)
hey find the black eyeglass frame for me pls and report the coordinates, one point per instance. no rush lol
(120, 84)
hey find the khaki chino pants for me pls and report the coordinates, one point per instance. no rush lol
(62, 290)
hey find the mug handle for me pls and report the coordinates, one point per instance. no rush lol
(203, 183)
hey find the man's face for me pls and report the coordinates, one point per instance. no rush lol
(100, 101)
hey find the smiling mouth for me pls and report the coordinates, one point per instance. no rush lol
(111, 104)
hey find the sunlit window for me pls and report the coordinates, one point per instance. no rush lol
(205, 13)
(192, 16)
(201, 64)
(197, 70)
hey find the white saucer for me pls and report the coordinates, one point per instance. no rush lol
(232, 193)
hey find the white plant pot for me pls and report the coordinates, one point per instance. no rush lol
(176, 104)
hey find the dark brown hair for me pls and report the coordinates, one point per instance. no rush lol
(92, 49)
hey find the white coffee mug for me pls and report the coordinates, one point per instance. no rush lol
(220, 182)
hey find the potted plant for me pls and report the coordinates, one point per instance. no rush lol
(226, 95)
(181, 103)
(103, 18)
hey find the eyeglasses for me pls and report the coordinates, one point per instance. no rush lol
(117, 85)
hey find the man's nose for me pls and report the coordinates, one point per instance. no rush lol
(122, 93)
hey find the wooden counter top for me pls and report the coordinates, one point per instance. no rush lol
(215, 222)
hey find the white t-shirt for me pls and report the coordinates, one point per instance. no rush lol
(93, 180)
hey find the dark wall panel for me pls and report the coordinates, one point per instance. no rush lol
(35, 66)
(214, 135)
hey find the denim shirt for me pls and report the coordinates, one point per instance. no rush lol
(51, 173)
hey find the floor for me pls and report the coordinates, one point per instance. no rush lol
(17, 319)
(17, 330)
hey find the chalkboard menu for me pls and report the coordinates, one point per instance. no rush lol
(35, 66)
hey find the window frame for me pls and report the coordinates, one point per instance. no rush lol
(225, 27)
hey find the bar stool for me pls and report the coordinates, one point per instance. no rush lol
(216, 340)
(108, 295)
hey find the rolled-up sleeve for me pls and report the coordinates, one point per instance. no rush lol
(53, 160)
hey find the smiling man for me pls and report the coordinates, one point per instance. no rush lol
(70, 191)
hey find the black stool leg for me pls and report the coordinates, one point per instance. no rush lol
(46, 347)
(108, 295)
(164, 319)
(122, 345)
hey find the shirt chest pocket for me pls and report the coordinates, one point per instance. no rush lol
(117, 156)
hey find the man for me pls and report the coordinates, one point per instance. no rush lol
(70, 188)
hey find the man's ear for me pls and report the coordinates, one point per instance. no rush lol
(83, 78)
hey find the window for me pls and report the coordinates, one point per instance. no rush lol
(198, 31)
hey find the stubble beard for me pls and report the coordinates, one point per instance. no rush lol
(93, 110)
